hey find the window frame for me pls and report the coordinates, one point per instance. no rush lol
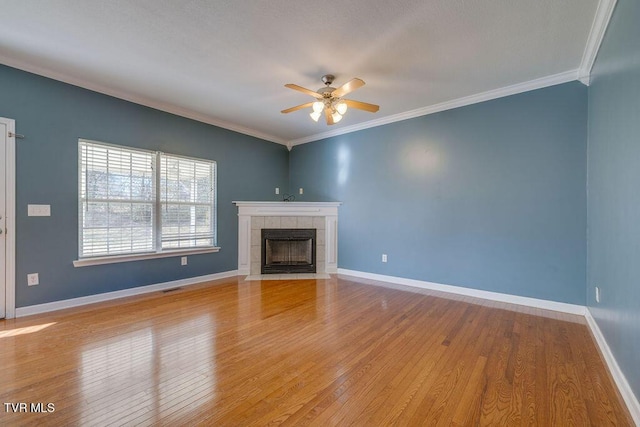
(157, 202)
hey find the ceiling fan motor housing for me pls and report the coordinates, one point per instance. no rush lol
(326, 91)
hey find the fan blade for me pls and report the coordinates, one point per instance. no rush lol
(327, 113)
(372, 108)
(348, 87)
(303, 90)
(297, 107)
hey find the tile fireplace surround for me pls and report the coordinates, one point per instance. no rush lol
(254, 216)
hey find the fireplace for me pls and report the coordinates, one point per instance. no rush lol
(288, 250)
(255, 216)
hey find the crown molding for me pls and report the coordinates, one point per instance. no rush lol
(141, 100)
(596, 35)
(540, 83)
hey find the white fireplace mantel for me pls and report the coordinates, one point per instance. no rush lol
(324, 214)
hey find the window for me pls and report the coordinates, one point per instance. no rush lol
(139, 202)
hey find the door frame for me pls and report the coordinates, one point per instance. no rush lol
(10, 215)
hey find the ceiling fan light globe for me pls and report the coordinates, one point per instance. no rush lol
(336, 117)
(315, 115)
(341, 107)
(318, 106)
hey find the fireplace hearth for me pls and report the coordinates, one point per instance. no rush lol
(287, 250)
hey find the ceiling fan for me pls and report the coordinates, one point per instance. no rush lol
(329, 100)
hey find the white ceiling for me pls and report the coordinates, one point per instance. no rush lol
(225, 62)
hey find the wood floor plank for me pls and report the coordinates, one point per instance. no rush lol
(340, 351)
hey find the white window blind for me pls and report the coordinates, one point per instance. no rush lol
(135, 201)
(187, 192)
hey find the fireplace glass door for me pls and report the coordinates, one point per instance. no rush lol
(288, 250)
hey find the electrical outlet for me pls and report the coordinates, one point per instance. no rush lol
(597, 294)
(277, 190)
(301, 191)
(33, 279)
(384, 257)
(183, 260)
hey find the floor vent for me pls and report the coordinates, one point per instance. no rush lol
(166, 291)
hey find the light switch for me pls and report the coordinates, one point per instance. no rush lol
(39, 210)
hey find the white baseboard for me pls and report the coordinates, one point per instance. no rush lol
(493, 296)
(107, 296)
(618, 376)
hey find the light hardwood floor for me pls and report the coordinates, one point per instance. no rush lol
(305, 352)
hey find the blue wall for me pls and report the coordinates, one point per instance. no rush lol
(491, 196)
(614, 189)
(52, 116)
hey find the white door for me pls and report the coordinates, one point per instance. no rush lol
(4, 135)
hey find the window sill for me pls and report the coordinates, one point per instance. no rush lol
(138, 257)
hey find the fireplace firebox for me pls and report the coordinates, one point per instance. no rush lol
(287, 250)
